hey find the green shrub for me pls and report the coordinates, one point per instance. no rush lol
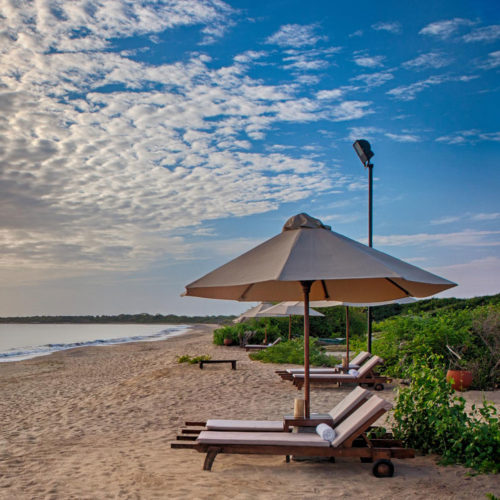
(241, 333)
(192, 361)
(430, 417)
(475, 333)
(293, 352)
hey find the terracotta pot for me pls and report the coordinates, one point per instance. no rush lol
(228, 341)
(462, 379)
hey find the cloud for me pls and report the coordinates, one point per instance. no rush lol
(356, 33)
(356, 133)
(493, 61)
(350, 110)
(409, 92)
(475, 278)
(484, 34)
(296, 35)
(369, 62)
(105, 159)
(430, 60)
(445, 220)
(403, 137)
(444, 29)
(467, 238)
(330, 94)
(308, 59)
(391, 27)
(467, 216)
(374, 79)
(465, 137)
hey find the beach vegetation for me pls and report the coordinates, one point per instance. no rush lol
(292, 352)
(253, 331)
(185, 358)
(473, 334)
(430, 417)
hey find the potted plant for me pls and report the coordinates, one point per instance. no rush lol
(457, 374)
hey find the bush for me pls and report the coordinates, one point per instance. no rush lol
(431, 418)
(293, 352)
(242, 333)
(475, 333)
(192, 361)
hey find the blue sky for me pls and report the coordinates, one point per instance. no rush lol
(145, 143)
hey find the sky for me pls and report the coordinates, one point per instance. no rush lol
(145, 143)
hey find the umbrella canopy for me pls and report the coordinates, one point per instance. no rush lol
(253, 312)
(307, 261)
(290, 308)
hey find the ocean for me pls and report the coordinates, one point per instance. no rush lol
(24, 341)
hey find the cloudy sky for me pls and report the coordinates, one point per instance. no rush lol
(144, 143)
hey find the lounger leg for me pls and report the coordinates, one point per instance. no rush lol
(209, 459)
(287, 458)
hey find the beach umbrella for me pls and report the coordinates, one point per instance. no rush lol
(256, 312)
(290, 308)
(253, 312)
(308, 261)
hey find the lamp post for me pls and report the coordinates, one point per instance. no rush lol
(365, 153)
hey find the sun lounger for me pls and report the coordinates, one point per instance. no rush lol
(365, 375)
(259, 347)
(354, 364)
(350, 441)
(340, 412)
(357, 361)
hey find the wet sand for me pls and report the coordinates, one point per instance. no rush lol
(97, 422)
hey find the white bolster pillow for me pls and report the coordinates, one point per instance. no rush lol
(326, 432)
(353, 372)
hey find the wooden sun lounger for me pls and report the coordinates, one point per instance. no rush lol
(340, 412)
(290, 372)
(350, 441)
(366, 375)
(260, 347)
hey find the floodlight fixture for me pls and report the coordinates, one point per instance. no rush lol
(364, 151)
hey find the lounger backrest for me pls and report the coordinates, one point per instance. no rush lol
(354, 422)
(349, 403)
(276, 341)
(370, 365)
(360, 358)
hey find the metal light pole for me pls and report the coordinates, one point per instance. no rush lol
(365, 153)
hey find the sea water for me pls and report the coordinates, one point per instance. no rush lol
(24, 341)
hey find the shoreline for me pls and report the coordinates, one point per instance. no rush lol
(92, 423)
(47, 346)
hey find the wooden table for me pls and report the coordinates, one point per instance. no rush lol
(232, 361)
(314, 420)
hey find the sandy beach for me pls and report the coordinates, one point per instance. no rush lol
(97, 422)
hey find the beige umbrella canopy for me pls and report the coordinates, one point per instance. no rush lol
(290, 308)
(307, 261)
(253, 312)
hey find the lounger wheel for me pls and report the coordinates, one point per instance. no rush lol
(379, 387)
(383, 468)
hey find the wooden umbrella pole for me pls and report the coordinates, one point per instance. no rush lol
(306, 287)
(347, 335)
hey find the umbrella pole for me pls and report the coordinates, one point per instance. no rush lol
(289, 327)
(347, 335)
(306, 287)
